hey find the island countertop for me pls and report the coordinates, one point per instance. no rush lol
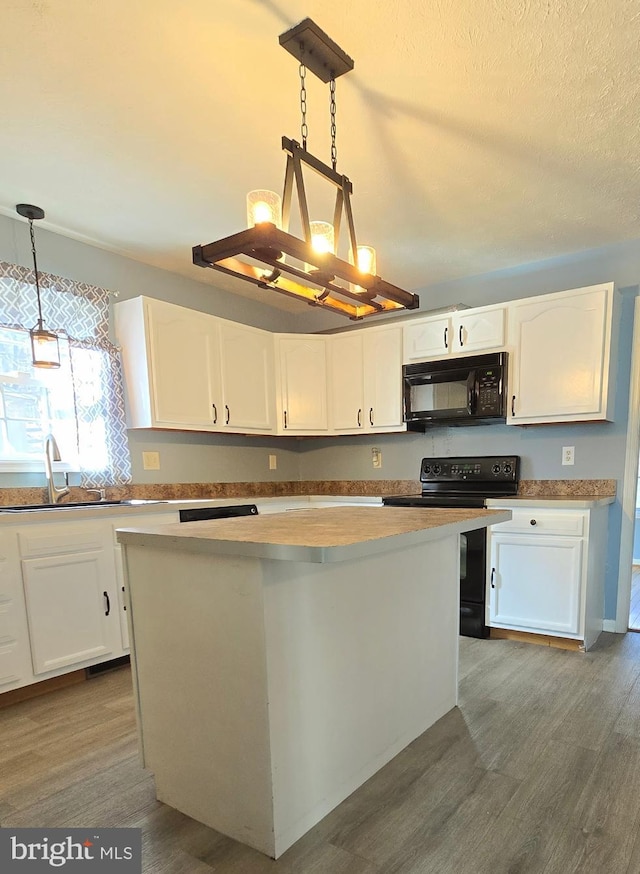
(318, 535)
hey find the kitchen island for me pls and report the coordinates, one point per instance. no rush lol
(281, 660)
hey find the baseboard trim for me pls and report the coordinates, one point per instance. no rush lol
(609, 625)
(24, 693)
(539, 639)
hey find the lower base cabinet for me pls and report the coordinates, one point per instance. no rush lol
(62, 603)
(546, 572)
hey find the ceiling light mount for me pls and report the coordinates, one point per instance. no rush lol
(307, 269)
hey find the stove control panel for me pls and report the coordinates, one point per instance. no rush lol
(481, 469)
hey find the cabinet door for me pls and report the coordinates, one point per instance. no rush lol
(428, 338)
(346, 387)
(303, 384)
(383, 378)
(535, 583)
(70, 604)
(478, 330)
(559, 369)
(15, 665)
(246, 359)
(184, 367)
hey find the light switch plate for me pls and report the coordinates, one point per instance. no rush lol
(376, 457)
(273, 462)
(151, 460)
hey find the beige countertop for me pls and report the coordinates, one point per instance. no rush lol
(317, 535)
(553, 502)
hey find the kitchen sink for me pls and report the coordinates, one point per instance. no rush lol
(74, 505)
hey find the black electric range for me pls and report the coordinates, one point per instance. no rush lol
(466, 482)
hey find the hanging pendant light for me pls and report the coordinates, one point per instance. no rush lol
(266, 254)
(45, 349)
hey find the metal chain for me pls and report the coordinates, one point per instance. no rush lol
(304, 130)
(35, 268)
(332, 111)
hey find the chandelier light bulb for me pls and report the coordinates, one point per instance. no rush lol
(264, 206)
(322, 237)
(366, 261)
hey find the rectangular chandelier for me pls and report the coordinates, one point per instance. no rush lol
(308, 269)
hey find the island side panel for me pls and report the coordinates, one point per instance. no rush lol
(198, 631)
(362, 658)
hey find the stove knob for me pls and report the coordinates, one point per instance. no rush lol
(427, 469)
(507, 468)
(496, 468)
(436, 469)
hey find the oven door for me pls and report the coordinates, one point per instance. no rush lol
(439, 395)
(473, 570)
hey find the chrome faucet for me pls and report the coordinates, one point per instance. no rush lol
(51, 454)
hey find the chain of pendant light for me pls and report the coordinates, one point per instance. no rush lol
(304, 128)
(35, 268)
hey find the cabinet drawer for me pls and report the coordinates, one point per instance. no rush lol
(536, 521)
(58, 539)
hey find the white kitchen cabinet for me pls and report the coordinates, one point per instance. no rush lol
(464, 331)
(560, 357)
(188, 370)
(247, 377)
(427, 338)
(478, 330)
(301, 384)
(365, 384)
(170, 361)
(15, 656)
(70, 595)
(546, 572)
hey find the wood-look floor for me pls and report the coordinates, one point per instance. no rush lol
(634, 607)
(537, 771)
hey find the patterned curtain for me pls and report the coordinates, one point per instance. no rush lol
(79, 312)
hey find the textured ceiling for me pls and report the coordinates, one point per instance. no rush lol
(478, 134)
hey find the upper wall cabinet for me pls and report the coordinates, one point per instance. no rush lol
(365, 381)
(560, 356)
(466, 331)
(188, 370)
(301, 384)
(247, 376)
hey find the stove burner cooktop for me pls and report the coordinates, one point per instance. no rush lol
(465, 481)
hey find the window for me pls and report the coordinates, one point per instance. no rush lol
(80, 403)
(34, 402)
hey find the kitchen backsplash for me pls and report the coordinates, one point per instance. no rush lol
(191, 491)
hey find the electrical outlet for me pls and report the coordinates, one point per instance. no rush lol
(376, 457)
(273, 462)
(151, 460)
(568, 454)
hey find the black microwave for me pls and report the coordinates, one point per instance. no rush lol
(455, 391)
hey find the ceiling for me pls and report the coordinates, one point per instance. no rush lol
(478, 134)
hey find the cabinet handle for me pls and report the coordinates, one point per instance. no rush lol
(215, 414)
(513, 405)
(460, 336)
(493, 573)
(533, 522)
(285, 418)
(226, 406)
(124, 606)
(359, 418)
(371, 416)
(446, 332)
(106, 597)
